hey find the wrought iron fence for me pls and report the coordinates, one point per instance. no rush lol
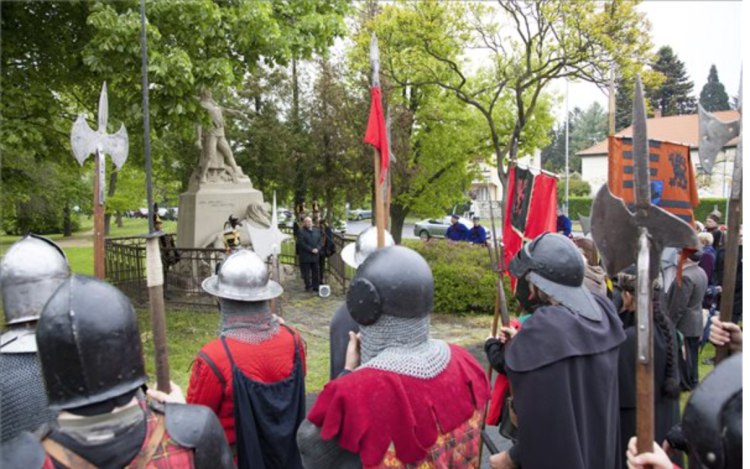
(186, 268)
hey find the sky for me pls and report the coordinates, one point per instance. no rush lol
(701, 33)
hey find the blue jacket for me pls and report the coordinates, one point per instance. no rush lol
(477, 235)
(457, 232)
(564, 225)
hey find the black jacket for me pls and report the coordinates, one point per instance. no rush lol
(309, 240)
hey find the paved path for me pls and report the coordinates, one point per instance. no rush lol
(356, 227)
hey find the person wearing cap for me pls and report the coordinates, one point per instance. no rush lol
(477, 233)
(93, 370)
(253, 375)
(562, 365)
(406, 400)
(712, 226)
(564, 224)
(457, 231)
(31, 270)
(711, 429)
(353, 255)
(684, 307)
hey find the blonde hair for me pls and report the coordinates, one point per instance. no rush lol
(706, 239)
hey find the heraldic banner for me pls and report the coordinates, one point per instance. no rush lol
(530, 209)
(673, 185)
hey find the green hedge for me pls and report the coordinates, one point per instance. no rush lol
(464, 280)
(582, 205)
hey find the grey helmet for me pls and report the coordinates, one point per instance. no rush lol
(31, 271)
(354, 254)
(243, 277)
(553, 263)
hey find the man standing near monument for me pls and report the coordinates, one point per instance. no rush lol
(309, 254)
(213, 142)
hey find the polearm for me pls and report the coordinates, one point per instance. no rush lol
(624, 238)
(379, 218)
(154, 270)
(84, 142)
(714, 134)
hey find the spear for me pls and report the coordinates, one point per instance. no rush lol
(154, 271)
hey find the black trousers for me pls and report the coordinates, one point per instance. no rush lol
(311, 275)
(692, 344)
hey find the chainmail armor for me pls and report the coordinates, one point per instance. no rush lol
(403, 346)
(248, 322)
(23, 401)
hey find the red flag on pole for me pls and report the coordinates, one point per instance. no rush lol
(376, 134)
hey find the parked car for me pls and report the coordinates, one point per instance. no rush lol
(360, 214)
(436, 227)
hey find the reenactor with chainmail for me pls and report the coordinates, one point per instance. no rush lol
(92, 365)
(31, 271)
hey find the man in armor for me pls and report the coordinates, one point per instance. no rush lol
(252, 376)
(581, 334)
(30, 272)
(711, 424)
(92, 365)
(353, 255)
(413, 400)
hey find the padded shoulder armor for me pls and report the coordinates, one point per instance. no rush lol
(22, 451)
(197, 427)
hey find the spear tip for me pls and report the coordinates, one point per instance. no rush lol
(103, 108)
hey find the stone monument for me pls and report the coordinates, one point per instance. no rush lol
(218, 188)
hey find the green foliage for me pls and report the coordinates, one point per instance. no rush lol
(582, 205)
(672, 97)
(585, 128)
(713, 95)
(576, 188)
(464, 280)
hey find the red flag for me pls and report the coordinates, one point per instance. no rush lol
(530, 210)
(376, 134)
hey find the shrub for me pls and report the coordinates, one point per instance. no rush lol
(582, 205)
(464, 280)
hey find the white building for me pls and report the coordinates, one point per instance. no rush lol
(678, 129)
(487, 186)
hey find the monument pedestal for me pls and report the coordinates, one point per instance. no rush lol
(205, 207)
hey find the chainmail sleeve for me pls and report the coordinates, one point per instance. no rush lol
(23, 401)
(318, 453)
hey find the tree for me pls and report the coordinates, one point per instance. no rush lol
(546, 40)
(672, 97)
(585, 129)
(713, 95)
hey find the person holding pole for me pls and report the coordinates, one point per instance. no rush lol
(93, 370)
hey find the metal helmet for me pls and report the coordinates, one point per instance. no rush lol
(30, 272)
(89, 344)
(394, 281)
(243, 277)
(553, 263)
(354, 254)
(712, 422)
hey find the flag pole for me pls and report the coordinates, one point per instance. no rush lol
(379, 218)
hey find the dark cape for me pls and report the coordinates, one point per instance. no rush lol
(563, 372)
(341, 323)
(667, 410)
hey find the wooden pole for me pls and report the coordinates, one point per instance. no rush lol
(729, 283)
(644, 350)
(387, 211)
(379, 219)
(99, 268)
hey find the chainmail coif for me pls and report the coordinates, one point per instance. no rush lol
(403, 346)
(249, 322)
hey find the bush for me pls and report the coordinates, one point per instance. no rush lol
(464, 280)
(37, 219)
(582, 205)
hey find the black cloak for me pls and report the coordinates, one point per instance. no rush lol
(563, 372)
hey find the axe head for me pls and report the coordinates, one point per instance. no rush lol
(585, 224)
(714, 134)
(616, 230)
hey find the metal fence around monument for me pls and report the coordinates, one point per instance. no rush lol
(186, 268)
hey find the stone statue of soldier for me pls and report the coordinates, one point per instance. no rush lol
(216, 152)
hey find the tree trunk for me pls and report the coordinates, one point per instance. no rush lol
(110, 193)
(398, 217)
(119, 219)
(67, 223)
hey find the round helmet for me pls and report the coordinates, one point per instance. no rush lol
(712, 422)
(31, 271)
(553, 263)
(394, 281)
(243, 277)
(354, 254)
(89, 344)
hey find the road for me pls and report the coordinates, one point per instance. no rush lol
(356, 227)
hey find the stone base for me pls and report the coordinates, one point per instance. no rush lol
(204, 209)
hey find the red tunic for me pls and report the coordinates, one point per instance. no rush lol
(375, 412)
(267, 362)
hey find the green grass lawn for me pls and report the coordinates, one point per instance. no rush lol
(188, 331)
